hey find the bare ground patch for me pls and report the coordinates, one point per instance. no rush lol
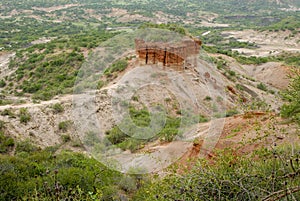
(272, 73)
(270, 43)
(4, 62)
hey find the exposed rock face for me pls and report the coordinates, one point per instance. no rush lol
(169, 54)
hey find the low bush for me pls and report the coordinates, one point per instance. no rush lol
(65, 176)
(6, 142)
(66, 138)
(136, 136)
(64, 126)
(231, 112)
(57, 108)
(118, 66)
(262, 87)
(2, 83)
(291, 109)
(273, 175)
(26, 146)
(8, 112)
(207, 98)
(24, 115)
(202, 119)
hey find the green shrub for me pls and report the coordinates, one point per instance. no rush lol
(207, 98)
(115, 135)
(202, 118)
(128, 184)
(262, 87)
(26, 146)
(135, 98)
(8, 112)
(100, 84)
(2, 83)
(76, 143)
(66, 138)
(24, 115)
(232, 73)
(64, 126)
(252, 60)
(118, 66)
(228, 113)
(45, 176)
(231, 112)
(141, 119)
(291, 109)
(57, 108)
(5, 102)
(231, 177)
(47, 74)
(2, 125)
(172, 27)
(6, 143)
(131, 144)
(240, 87)
(168, 134)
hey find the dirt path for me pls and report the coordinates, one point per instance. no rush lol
(66, 98)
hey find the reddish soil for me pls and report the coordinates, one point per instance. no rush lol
(244, 134)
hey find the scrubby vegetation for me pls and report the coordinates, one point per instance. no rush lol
(43, 175)
(141, 118)
(172, 27)
(64, 125)
(46, 70)
(292, 95)
(134, 135)
(51, 44)
(274, 175)
(6, 142)
(24, 115)
(262, 87)
(57, 108)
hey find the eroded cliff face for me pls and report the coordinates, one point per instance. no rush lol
(169, 54)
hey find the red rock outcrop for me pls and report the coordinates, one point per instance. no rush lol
(169, 54)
